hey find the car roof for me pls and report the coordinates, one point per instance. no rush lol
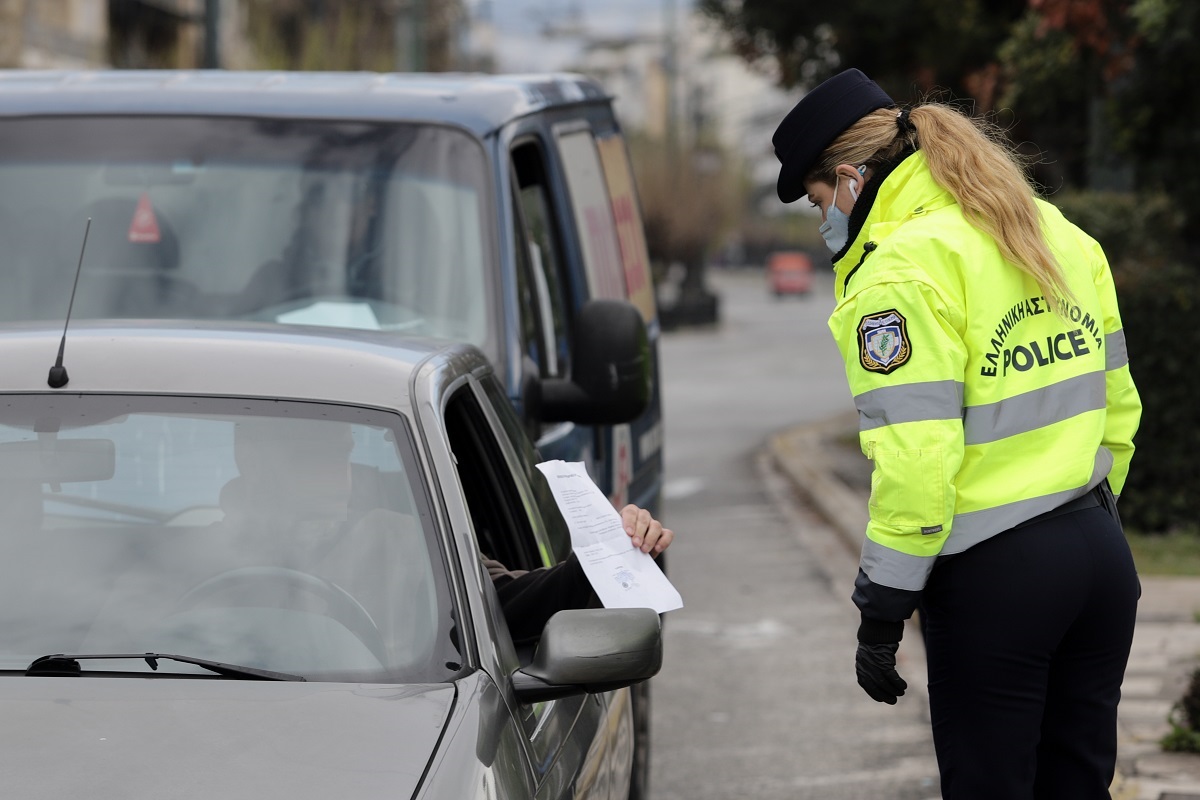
(365, 368)
(478, 102)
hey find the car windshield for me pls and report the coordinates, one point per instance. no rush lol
(347, 224)
(289, 537)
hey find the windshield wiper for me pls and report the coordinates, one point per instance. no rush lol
(58, 664)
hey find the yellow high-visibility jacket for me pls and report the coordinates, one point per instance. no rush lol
(979, 406)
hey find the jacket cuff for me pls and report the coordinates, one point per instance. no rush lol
(880, 631)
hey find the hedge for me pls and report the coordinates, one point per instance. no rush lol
(1159, 295)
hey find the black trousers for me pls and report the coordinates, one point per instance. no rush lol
(1027, 636)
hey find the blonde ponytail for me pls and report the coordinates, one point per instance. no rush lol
(967, 157)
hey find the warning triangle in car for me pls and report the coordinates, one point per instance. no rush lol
(144, 227)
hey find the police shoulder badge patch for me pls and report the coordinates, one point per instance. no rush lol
(883, 343)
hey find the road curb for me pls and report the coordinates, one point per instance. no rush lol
(801, 454)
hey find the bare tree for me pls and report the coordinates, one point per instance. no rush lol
(378, 35)
(12, 32)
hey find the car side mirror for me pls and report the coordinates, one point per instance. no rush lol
(610, 366)
(592, 650)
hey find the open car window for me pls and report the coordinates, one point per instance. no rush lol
(503, 524)
(558, 537)
(283, 536)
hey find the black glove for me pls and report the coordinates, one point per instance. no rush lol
(875, 665)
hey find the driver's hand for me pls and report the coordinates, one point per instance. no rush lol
(647, 533)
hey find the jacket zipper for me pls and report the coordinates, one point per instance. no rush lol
(868, 248)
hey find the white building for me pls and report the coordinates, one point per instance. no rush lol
(718, 99)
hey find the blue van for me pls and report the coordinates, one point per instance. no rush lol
(496, 210)
(490, 209)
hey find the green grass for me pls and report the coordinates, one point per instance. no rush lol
(1176, 553)
(1184, 738)
(1181, 740)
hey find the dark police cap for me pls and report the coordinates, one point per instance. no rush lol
(818, 119)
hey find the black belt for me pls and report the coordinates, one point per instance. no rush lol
(1090, 500)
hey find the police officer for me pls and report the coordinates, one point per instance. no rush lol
(985, 354)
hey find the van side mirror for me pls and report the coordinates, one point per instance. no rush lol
(610, 366)
(592, 650)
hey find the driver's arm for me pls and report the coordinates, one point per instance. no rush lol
(529, 598)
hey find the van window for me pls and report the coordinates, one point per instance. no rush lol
(593, 214)
(544, 248)
(536, 346)
(627, 213)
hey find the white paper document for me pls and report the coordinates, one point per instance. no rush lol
(622, 575)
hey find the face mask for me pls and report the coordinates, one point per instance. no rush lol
(836, 228)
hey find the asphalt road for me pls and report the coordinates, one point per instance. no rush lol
(757, 696)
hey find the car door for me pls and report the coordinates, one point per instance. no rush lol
(516, 523)
(544, 294)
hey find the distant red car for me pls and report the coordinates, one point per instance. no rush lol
(789, 272)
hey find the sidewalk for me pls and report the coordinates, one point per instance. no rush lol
(824, 465)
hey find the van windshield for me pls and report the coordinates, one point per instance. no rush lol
(349, 224)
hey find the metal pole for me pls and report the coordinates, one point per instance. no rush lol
(420, 35)
(409, 32)
(212, 34)
(402, 37)
(670, 68)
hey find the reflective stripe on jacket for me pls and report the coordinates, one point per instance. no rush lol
(979, 406)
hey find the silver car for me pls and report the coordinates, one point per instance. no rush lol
(250, 562)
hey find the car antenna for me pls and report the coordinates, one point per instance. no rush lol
(58, 373)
